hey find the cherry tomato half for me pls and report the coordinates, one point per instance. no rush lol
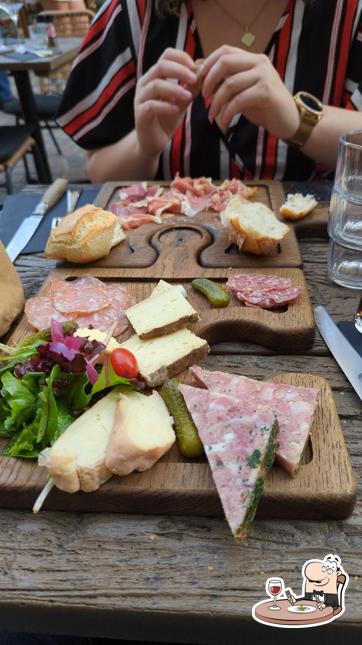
(124, 363)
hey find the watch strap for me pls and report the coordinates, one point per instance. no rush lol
(301, 136)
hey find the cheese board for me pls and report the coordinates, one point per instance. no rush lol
(276, 329)
(325, 486)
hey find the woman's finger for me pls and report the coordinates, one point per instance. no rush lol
(166, 68)
(179, 56)
(158, 108)
(241, 102)
(229, 88)
(164, 90)
(226, 66)
(209, 62)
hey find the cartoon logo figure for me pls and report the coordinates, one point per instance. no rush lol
(321, 602)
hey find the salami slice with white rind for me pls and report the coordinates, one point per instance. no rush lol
(83, 296)
(240, 440)
(260, 290)
(40, 309)
(256, 282)
(105, 319)
(293, 406)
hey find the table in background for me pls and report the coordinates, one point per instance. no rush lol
(184, 579)
(68, 49)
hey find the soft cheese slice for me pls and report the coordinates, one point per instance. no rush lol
(161, 314)
(142, 433)
(77, 459)
(160, 358)
(98, 335)
(163, 286)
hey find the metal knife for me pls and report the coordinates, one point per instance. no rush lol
(346, 356)
(29, 225)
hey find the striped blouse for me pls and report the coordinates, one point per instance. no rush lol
(316, 48)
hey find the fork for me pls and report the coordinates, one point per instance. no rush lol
(72, 198)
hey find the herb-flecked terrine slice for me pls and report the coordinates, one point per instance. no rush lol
(240, 440)
(294, 407)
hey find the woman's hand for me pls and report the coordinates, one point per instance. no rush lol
(240, 81)
(160, 103)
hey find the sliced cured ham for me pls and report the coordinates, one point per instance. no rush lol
(87, 301)
(293, 406)
(260, 290)
(240, 439)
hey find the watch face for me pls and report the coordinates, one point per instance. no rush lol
(311, 102)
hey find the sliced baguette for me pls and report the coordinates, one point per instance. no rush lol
(297, 206)
(253, 226)
(84, 236)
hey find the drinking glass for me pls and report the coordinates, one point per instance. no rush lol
(345, 219)
(275, 586)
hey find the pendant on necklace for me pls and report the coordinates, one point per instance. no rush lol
(248, 38)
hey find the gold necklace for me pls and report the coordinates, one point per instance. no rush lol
(248, 36)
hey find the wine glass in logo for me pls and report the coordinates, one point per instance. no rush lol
(274, 589)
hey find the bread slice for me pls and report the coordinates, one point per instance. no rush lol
(253, 226)
(297, 206)
(84, 236)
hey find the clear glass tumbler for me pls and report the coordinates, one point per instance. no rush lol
(345, 219)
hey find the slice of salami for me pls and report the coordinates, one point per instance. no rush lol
(104, 319)
(119, 296)
(83, 296)
(40, 309)
(256, 282)
(285, 295)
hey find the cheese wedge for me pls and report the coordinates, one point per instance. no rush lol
(96, 334)
(163, 286)
(77, 459)
(160, 358)
(142, 433)
(161, 314)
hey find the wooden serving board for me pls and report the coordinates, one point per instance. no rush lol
(325, 486)
(290, 326)
(200, 239)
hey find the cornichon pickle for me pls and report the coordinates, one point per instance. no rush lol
(186, 433)
(216, 295)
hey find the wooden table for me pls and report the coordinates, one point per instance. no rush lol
(182, 579)
(68, 48)
(287, 615)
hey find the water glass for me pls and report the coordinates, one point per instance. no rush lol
(345, 220)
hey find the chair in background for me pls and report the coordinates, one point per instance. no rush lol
(15, 142)
(67, 23)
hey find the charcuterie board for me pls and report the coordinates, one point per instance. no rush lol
(278, 329)
(325, 486)
(201, 238)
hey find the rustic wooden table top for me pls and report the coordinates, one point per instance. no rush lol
(180, 579)
(68, 48)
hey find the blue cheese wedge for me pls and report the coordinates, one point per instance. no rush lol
(163, 357)
(161, 314)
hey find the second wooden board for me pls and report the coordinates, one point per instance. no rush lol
(289, 327)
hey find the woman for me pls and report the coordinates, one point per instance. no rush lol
(133, 103)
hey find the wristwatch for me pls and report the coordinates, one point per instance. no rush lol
(310, 111)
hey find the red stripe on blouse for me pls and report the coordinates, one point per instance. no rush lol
(99, 25)
(344, 51)
(280, 65)
(141, 5)
(118, 79)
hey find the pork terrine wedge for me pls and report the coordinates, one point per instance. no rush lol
(240, 440)
(293, 406)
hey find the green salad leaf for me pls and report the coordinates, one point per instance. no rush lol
(105, 381)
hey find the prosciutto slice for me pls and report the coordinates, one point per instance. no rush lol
(293, 406)
(240, 440)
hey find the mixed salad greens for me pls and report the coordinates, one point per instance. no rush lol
(46, 381)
